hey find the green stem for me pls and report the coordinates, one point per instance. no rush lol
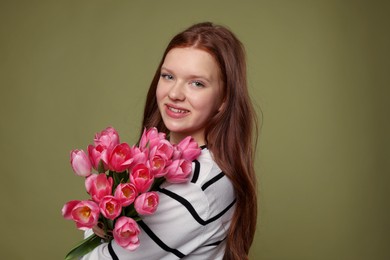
(84, 247)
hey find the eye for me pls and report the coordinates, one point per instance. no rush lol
(197, 84)
(166, 76)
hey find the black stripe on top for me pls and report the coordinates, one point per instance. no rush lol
(213, 180)
(158, 241)
(196, 171)
(215, 243)
(191, 209)
(112, 252)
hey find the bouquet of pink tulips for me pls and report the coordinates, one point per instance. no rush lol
(122, 186)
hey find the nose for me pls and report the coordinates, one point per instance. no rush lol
(176, 92)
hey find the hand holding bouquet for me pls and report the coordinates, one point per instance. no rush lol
(122, 186)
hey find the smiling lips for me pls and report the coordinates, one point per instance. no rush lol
(176, 112)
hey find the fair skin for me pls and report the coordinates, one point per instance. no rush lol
(188, 92)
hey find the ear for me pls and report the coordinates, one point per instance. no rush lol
(221, 107)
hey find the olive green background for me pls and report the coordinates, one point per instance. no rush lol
(318, 74)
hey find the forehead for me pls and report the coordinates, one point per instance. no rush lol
(191, 61)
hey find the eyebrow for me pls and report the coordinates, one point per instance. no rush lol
(189, 76)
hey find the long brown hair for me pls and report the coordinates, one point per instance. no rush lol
(231, 133)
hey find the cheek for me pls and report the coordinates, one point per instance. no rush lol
(159, 93)
(208, 103)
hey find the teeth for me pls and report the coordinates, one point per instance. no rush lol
(177, 110)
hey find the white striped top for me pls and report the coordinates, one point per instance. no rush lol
(191, 222)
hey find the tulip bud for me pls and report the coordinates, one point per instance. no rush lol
(126, 233)
(110, 207)
(141, 177)
(80, 163)
(189, 148)
(85, 214)
(108, 138)
(146, 203)
(179, 171)
(126, 193)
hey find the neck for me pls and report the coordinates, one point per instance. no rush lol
(175, 138)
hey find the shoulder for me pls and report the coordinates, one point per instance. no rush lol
(209, 177)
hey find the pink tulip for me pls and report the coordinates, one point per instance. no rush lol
(189, 148)
(126, 193)
(68, 207)
(126, 233)
(164, 149)
(85, 214)
(110, 207)
(138, 155)
(107, 138)
(176, 153)
(120, 158)
(150, 138)
(179, 171)
(157, 166)
(141, 177)
(96, 154)
(80, 163)
(98, 186)
(146, 203)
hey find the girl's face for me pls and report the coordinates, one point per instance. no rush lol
(188, 92)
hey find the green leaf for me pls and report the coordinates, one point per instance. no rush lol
(101, 167)
(130, 211)
(119, 177)
(84, 247)
(157, 182)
